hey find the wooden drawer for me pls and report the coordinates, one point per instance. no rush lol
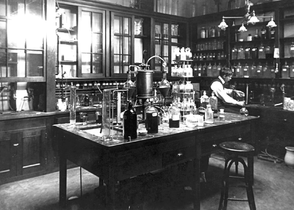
(154, 157)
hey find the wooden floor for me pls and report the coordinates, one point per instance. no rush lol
(273, 189)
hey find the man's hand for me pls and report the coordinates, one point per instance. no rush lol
(241, 103)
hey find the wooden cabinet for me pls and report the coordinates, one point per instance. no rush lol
(287, 42)
(23, 148)
(275, 129)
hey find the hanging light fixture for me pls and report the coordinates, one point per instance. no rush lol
(253, 19)
(223, 25)
(242, 28)
(249, 18)
(271, 23)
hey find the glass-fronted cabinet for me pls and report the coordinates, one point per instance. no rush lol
(287, 43)
(22, 27)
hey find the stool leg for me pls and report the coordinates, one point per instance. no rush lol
(223, 187)
(249, 190)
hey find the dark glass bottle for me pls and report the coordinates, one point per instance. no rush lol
(130, 123)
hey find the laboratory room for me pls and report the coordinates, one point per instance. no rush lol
(146, 104)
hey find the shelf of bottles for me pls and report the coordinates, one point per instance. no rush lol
(252, 51)
(287, 44)
(210, 54)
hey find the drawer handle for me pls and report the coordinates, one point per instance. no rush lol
(285, 120)
(180, 154)
(15, 145)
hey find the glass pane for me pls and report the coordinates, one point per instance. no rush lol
(117, 45)
(116, 58)
(97, 23)
(69, 71)
(15, 7)
(86, 63)
(127, 45)
(126, 60)
(157, 31)
(15, 33)
(117, 25)
(35, 31)
(165, 31)
(116, 69)
(2, 34)
(97, 63)
(126, 25)
(2, 8)
(35, 8)
(67, 52)
(138, 57)
(85, 38)
(157, 48)
(16, 63)
(35, 64)
(97, 43)
(3, 58)
(68, 18)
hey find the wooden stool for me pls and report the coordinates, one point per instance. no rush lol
(234, 150)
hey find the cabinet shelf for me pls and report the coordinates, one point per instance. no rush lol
(68, 42)
(72, 30)
(67, 62)
(212, 38)
(254, 42)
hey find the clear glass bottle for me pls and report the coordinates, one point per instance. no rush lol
(292, 70)
(234, 53)
(246, 71)
(174, 116)
(253, 70)
(259, 70)
(292, 50)
(213, 102)
(204, 99)
(209, 70)
(203, 33)
(263, 33)
(285, 71)
(208, 114)
(261, 52)
(241, 53)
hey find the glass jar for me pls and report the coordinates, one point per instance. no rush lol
(188, 87)
(292, 50)
(174, 116)
(151, 119)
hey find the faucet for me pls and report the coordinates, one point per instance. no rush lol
(156, 56)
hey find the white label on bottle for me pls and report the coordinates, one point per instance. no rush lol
(176, 117)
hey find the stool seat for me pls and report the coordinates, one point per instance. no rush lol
(234, 146)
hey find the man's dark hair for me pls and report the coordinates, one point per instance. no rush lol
(225, 71)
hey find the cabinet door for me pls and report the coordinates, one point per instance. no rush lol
(8, 154)
(121, 44)
(32, 153)
(92, 43)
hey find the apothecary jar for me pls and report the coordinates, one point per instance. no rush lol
(289, 156)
